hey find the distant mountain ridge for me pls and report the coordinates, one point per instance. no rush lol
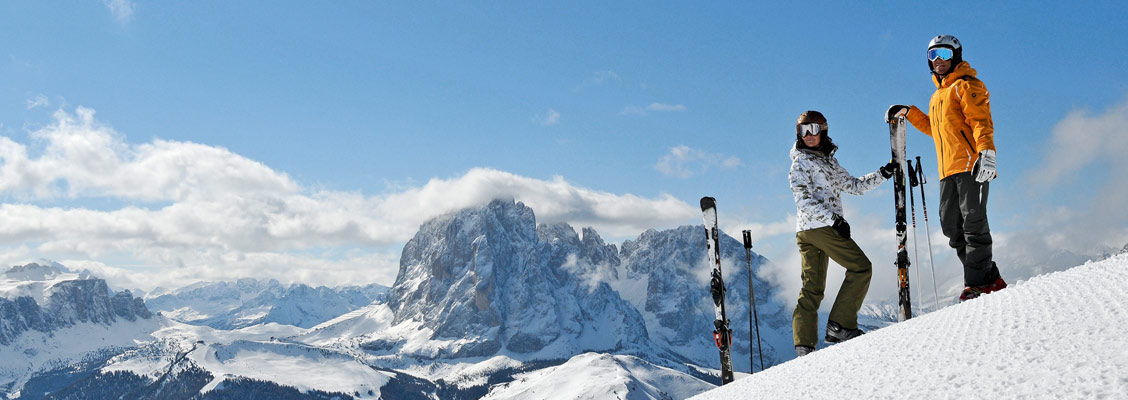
(248, 302)
(67, 300)
(484, 296)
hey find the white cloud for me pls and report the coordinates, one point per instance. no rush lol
(555, 200)
(599, 78)
(1081, 140)
(38, 101)
(549, 118)
(633, 110)
(685, 162)
(121, 9)
(84, 158)
(1085, 150)
(659, 107)
(653, 107)
(194, 211)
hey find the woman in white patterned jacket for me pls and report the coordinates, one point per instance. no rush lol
(823, 234)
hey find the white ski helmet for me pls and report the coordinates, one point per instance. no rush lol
(950, 42)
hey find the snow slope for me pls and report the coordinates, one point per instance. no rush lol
(254, 352)
(248, 301)
(1055, 336)
(619, 376)
(34, 350)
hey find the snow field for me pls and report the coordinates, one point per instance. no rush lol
(1055, 336)
(618, 376)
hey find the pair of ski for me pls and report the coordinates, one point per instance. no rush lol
(916, 178)
(722, 334)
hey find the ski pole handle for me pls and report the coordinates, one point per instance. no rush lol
(747, 239)
(912, 173)
(920, 172)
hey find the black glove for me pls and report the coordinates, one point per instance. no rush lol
(841, 226)
(894, 110)
(888, 170)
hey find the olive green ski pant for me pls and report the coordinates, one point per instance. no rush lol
(817, 247)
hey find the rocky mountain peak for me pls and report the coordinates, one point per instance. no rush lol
(33, 272)
(492, 275)
(65, 302)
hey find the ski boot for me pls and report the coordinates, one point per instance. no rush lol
(803, 350)
(837, 333)
(971, 292)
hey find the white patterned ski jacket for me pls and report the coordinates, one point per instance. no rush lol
(816, 179)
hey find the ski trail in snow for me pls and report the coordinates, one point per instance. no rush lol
(343, 317)
(1055, 336)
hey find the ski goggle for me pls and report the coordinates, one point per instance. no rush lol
(943, 53)
(809, 129)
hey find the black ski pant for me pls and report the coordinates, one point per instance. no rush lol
(963, 218)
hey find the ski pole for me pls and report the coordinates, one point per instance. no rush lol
(928, 235)
(752, 302)
(912, 208)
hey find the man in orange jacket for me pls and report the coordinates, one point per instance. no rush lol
(959, 121)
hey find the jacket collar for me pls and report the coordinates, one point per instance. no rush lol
(796, 150)
(961, 70)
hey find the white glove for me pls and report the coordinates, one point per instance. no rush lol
(984, 170)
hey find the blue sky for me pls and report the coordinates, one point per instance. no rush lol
(164, 142)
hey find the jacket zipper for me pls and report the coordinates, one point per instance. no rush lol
(938, 115)
(970, 146)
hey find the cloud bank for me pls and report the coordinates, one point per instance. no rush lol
(185, 211)
(1084, 159)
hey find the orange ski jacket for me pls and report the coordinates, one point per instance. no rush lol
(958, 119)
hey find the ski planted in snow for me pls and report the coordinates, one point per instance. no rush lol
(722, 334)
(897, 143)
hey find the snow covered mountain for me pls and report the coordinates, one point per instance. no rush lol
(490, 304)
(45, 298)
(488, 281)
(666, 276)
(485, 294)
(247, 302)
(51, 316)
(67, 336)
(188, 361)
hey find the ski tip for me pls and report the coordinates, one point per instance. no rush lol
(707, 203)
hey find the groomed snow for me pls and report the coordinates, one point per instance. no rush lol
(1058, 336)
